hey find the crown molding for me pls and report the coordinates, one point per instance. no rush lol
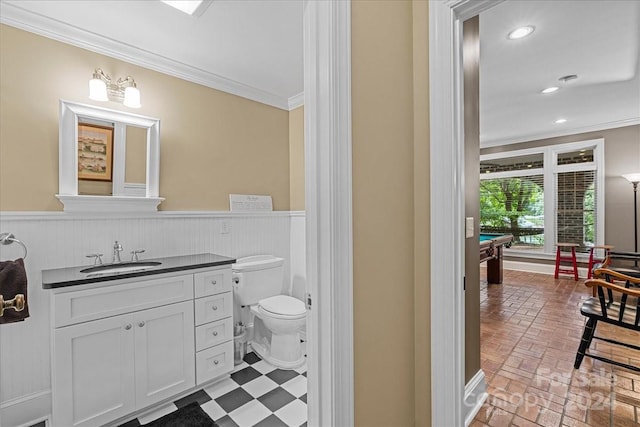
(26, 20)
(555, 134)
(296, 101)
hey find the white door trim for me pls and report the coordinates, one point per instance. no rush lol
(447, 206)
(327, 135)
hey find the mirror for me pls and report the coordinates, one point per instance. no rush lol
(135, 164)
(109, 160)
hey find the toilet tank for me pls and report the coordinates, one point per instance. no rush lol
(257, 277)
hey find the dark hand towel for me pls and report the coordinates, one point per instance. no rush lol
(13, 280)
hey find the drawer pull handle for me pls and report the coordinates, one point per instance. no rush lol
(128, 326)
(215, 307)
(214, 282)
(141, 324)
(215, 333)
(215, 362)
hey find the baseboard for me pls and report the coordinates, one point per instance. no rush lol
(27, 410)
(475, 394)
(532, 267)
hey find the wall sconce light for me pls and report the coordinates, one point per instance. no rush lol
(103, 88)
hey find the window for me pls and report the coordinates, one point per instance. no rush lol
(513, 197)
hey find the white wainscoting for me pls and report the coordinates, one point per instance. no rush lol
(57, 239)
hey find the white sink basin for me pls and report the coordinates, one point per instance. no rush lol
(122, 267)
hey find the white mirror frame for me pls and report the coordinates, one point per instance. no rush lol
(68, 161)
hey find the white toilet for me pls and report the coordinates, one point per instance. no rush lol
(277, 319)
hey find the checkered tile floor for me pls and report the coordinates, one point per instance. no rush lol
(257, 394)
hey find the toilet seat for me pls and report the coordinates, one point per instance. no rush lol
(282, 307)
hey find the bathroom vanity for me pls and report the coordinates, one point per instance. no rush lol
(125, 340)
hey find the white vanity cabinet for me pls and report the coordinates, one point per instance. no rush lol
(214, 324)
(124, 345)
(110, 367)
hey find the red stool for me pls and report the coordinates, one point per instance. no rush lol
(566, 259)
(593, 260)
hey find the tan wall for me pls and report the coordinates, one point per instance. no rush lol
(296, 159)
(212, 143)
(471, 65)
(391, 354)
(135, 167)
(621, 155)
(421, 220)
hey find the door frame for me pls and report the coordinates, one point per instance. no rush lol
(328, 201)
(328, 204)
(447, 206)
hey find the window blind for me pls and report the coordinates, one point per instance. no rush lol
(575, 210)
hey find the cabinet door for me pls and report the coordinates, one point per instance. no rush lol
(93, 372)
(164, 352)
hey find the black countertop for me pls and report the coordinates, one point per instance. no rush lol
(71, 276)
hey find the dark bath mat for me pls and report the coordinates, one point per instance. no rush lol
(191, 415)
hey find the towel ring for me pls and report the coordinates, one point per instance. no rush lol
(8, 238)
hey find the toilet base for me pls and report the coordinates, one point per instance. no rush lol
(264, 353)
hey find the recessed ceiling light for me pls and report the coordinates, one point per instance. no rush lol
(521, 32)
(550, 89)
(560, 121)
(190, 7)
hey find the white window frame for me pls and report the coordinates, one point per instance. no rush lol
(550, 172)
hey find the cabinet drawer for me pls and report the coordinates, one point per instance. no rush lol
(212, 282)
(213, 362)
(90, 304)
(214, 333)
(213, 308)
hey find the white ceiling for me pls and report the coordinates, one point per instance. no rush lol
(254, 49)
(597, 40)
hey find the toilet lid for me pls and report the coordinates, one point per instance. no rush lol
(283, 304)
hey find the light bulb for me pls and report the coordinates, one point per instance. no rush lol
(132, 97)
(98, 90)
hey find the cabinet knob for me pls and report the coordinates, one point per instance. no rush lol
(215, 333)
(141, 324)
(215, 307)
(128, 326)
(215, 362)
(214, 282)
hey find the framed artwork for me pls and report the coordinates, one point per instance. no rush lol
(95, 152)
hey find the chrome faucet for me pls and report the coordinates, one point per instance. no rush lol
(134, 255)
(117, 248)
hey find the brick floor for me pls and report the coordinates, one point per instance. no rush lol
(530, 330)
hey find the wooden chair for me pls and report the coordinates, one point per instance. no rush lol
(593, 261)
(620, 306)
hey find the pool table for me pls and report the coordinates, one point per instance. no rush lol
(491, 245)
